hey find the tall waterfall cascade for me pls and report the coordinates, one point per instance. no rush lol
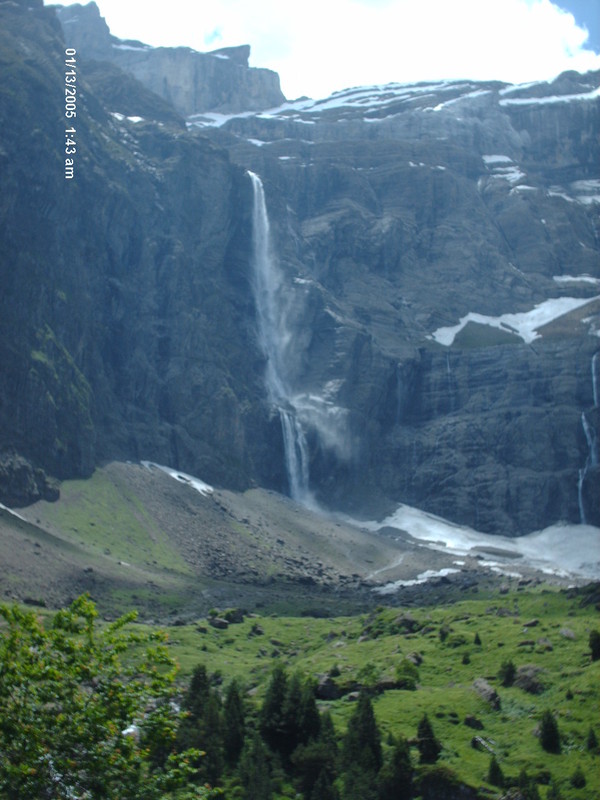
(302, 409)
(591, 440)
(275, 340)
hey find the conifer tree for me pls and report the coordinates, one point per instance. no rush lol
(429, 747)
(202, 727)
(495, 775)
(395, 779)
(594, 641)
(290, 735)
(272, 713)
(324, 788)
(233, 724)
(254, 770)
(592, 741)
(315, 757)
(549, 735)
(310, 719)
(507, 673)
(362, 743)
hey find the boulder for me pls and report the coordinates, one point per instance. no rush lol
(487, 693)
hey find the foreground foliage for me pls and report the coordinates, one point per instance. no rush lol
(86, 713)
(390, 705)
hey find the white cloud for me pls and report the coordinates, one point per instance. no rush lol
(318, 47)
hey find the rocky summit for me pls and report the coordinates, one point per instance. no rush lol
(391, 295)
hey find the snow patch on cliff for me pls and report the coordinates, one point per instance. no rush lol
(525, 324)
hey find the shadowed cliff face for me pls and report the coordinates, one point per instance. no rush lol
(126, 323)
(129, 326)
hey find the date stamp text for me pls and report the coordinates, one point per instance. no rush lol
(70, 111)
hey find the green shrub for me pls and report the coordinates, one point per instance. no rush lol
(507, 673)
(578, 780)
(595, 645)
(407, 675)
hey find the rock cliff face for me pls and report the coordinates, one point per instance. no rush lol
(402, 212)
(437, 248)
(192, 82)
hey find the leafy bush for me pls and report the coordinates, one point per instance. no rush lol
(86, 712)
(407, 675)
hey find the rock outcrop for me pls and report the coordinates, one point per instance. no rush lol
(192, 82)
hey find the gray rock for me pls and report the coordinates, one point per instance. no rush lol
(487, 693)
(190, 81)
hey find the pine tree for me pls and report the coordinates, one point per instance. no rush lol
(495, 775)
(233, 724)
(324, 788)
(254, 770)
(549, 735)
(527, 786)
(310, 719)
(202, 728)
(507, 673)
(290, 735)
(592, 741)
(395, 779)
(429, 747)
(358, 784)
(272, 719)
(197, 693)
(594, 641)
(362, 743)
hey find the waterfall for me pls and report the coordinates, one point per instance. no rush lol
(591, 439)
(275, 341)
(580, 481)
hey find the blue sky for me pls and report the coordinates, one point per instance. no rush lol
(319, 46)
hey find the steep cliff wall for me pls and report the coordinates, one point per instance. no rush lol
(125, 312)
(191, 81)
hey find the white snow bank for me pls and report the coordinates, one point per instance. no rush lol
(561, 549)
(423, 577)
(563, 98)
(576, 279)
(120, 117)
(497, 159)
(131, 47)
(195, 483)
(525, 324)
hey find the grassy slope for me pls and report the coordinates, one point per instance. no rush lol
(374, 644)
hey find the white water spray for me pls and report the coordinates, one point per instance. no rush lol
(591, 440)
(275, 339)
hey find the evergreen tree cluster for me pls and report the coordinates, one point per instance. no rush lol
(257, 752)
